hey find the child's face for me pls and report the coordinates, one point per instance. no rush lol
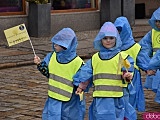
(58, 48)
(157, 23)
(108, 42)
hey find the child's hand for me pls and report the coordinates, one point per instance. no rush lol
(128, 76)
(151, 72)
(37, 60)
(79, 90)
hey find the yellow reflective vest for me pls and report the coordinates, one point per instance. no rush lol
(133, 52)
(155, 40)
(60, 77)
(107, 83)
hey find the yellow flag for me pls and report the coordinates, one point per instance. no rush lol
(120, 63)
(123, 63)
(126, 63)
(81, 96)
(16, 34)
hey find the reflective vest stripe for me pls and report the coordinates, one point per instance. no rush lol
(108, 88)
(59, 91)
(107, 76)
(108, 94)
(61, 80)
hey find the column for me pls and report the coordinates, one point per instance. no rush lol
(109, 10)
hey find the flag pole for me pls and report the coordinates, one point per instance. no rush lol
(32, 47)
(130, 80)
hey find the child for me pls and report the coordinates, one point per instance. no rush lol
(154, 68)
(150, 43)
(136, 96)
(110, 96)
(60, 66)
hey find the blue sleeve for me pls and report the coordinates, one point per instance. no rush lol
(47, 58)
(43, 66)
(154, 63)
(142, 60)
(85, 73)
(146, 44)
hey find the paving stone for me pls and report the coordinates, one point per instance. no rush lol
(3, 109)
(15, 116)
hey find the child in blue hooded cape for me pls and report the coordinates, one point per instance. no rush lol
(153, 66)
(151, 43)
(59, 67)
(110, 94)
(136, 93)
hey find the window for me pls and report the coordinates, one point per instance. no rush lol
(73, 5)
(18, 7)
(11, 7)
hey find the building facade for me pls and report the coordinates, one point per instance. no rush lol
(80, 15)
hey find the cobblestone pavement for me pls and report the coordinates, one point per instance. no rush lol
(23, 91)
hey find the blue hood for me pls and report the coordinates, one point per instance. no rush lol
(155, 16)
(126, 32)
(108, 29)
(66, 38)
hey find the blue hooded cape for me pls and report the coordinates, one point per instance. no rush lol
(152, 82)
(106, 108)
(74, 109)
(136, 93)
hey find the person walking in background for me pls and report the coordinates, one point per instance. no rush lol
(110, 96)
(150, 44)
(129, 46)
(60, 66)
(154, 67)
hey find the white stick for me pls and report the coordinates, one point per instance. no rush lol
(132, 84)
(130, 81)
(32, 47)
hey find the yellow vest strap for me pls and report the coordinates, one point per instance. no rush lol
(108, 88)
(61, 80)
(59, 91)
(107, 76)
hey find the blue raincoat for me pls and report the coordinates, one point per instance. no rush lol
(154, 64)
(106, 108)
(136, 93)
(74, 109)
(152, 82)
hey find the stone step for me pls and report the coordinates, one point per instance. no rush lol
(137, 39)
(140, 29)
(139, 34)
